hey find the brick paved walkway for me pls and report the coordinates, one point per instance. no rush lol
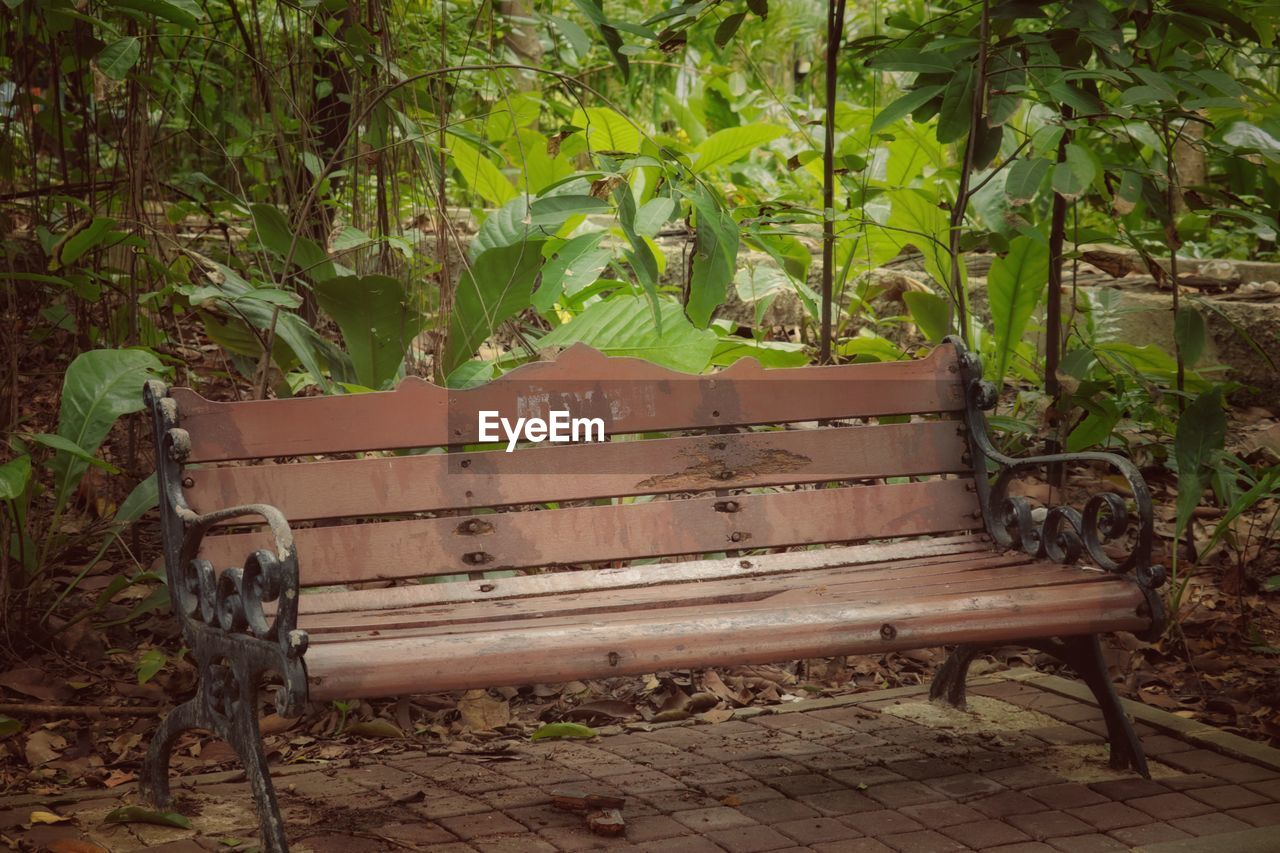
(871, 773)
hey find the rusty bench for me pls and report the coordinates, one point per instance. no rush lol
(752, 470)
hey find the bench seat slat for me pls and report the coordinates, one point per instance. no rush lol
(443, 546)
(552, 583)
(1009, 571)
(582, 472)
(636, 396)
(727, 634)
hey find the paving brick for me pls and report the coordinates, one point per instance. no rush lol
(738, 791)
(1189, 781)
(688, 844)
(653, 827)
(1149, 833)
(855, 776)
(1158, 746)
(965, 787)
(881, 822)
(830, 759)
(1007, 803)
(1196, 760)
(813, 830)
(1269, 788)
(898, 794)
(984, 833)
(468, 827)
(750, 839)
(805, 724)
(1093, 843)
(418, 832)
(677, 800)
(1268, 815)
(925, 841)
(1108, 816)
(1128, 789)
(768, 769)
(1210, 824)
(439, 806)
(854, 845)
(842, 802)
(808, 783)
(1078, 712)
(1240, 771)
(542, 816)
(520, 844)
(704, 774)
(1170, 806)
(1024, 776)
(1054, 824)
(778, 810)
(1064, 735)
(939, 815)
(924, 768)
(1024, 847)
(715, 817)
(1068, 795)
(339, 842)
(510, 798)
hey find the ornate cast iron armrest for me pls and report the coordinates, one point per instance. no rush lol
(1065, 533)
(233, 600)
(222, 614)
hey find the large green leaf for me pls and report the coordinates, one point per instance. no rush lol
(184, 12)
(917, 220)
(904, 106)
(1015, 284)
(931, 312)
(376, 320)
(715, 256)
(577, 264)
(1199, 438)
(118, 58)
(607, 130)
(956, 112)
(625, 325)
(1191, 334)
(273, 232)
(732, 144)
(14, 476)
(98, 388)
(494, 289)
(480, 173)
(1025, 178)
(1072, 177)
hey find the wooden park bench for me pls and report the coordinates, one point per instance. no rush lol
(887, 465)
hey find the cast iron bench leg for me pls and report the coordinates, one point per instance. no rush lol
(1084, 656)
(228, 707)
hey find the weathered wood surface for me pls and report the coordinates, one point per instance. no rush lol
(452, 545)
(687, 571)
(404, 484)
(983, 572)
(628, 394)
(725, 634)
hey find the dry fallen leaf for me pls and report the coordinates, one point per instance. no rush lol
(44, 746)
(47, 817)
(480, 712)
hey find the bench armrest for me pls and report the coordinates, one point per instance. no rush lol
(222, 613)
(1065, 533)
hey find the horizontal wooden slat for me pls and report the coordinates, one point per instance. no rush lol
(990, 570)
(628, 394)
(727, 634)
(441, 546)
(580, 472)
(688, 571)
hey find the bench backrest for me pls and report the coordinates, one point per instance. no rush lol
(719, 484)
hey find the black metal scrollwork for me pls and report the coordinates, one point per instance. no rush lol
(226, 614)
(1059, 533)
